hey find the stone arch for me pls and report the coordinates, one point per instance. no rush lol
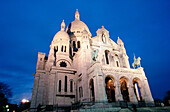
(110, 88)
(124, 88)
(137, 85)
(92, 91)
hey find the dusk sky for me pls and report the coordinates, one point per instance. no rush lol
(28, 27)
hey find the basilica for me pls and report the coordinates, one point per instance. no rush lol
(82, 68)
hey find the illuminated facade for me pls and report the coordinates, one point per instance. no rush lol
(82, 68)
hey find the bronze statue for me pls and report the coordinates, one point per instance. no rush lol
(136, 62)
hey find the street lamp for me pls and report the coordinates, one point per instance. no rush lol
(25, 101)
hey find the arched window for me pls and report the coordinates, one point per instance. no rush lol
(63, 64)
(65, 49)
(65, 88)
(78, 44)
(117, 60)
(59, 86)
(57, 48)
(106, 56)
(71, 85)
(70, 51)
(80, 92)
(117, 63)
(62, 48)
(74, 44)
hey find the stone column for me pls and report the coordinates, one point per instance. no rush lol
(98, 81)
(119, 94)
(116, 92)
(132, 95)
(104, 91)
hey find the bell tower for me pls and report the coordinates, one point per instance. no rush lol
(123, 52)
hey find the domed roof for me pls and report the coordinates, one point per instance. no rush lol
(77, 25)
(62, 34)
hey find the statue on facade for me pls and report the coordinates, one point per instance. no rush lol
(95, 55)
(136, 62)
(103, 37)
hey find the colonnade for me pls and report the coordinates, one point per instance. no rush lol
(134, 90)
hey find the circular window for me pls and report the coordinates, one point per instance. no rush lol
(63, 64)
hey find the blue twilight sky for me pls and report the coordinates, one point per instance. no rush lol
(28, 26)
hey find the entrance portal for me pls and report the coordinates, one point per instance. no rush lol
(110, 89)
(92, 96)
(124, 89)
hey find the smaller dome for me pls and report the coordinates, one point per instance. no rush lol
(62, 34)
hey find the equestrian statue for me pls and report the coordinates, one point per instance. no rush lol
(136, 62)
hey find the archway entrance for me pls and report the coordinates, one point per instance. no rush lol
(92, 95)
(110, 89)
(124, 89)
(137, 89)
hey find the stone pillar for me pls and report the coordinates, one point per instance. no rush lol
(104, 90)
(132, 95)
(98, 81)
(51, 89)
(35, 92)
(126, 60)
(146, 93)
(147, 96)
(119, 94)
(116, 92)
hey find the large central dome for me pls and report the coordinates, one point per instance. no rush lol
(77, 26)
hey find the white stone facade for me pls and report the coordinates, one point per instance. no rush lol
(82, 68)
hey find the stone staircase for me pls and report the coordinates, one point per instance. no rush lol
(118, 109)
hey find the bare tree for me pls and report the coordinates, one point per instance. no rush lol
(5, 94)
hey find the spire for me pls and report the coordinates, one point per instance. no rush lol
(63, 26)
(77, 15)
(119, 41)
